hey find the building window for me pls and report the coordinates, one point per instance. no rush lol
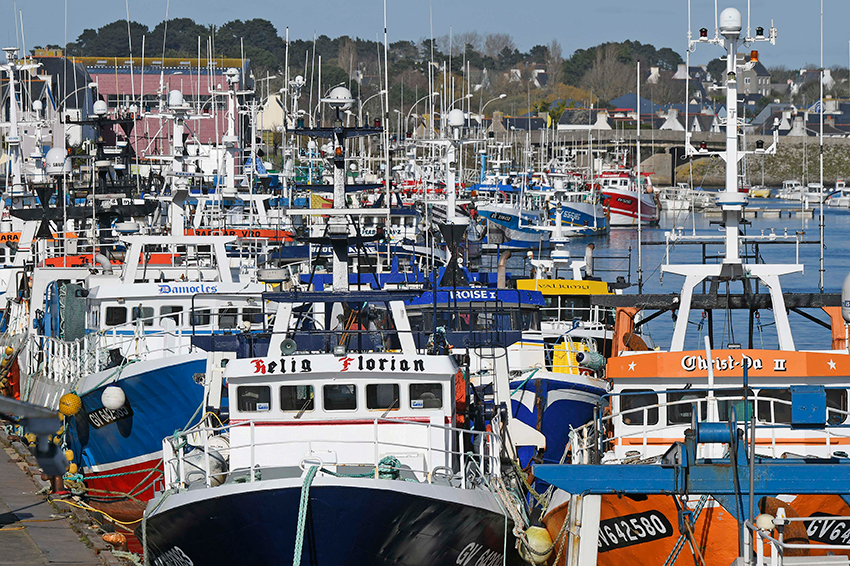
(296, 398)
(382, 396)
(426, 396)
(746, 80)
(254, 398)
(340, 397)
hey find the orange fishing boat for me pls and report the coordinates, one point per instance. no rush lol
(786, 404)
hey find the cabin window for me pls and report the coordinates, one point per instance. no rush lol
(296, 398)
(408, 221)
(774, 406)
(382, 396)
(201, 317)
(144, 313)
(340, 397)
(680, 406)
(426, 396)
(227, 318)
(836, 399)
(172, 312)
(254, 398)
(116, 316)
(395, 221)
(632, 402)
(728, 398)
(252, 315)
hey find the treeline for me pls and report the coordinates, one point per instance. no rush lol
(487, 64)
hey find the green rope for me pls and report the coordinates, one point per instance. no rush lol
(302, 514)
(524, 381)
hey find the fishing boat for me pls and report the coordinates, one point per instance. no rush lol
(621, 194)
(746, 379)
(346, 443)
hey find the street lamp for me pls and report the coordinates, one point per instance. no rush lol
(72, 93)
(415, 104)
(465, 97)
(500, 97)
(363, 103)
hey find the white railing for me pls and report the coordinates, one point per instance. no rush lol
(777, 547)
(612, 429)
(179, 466)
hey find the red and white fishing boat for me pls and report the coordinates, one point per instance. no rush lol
(621, 196)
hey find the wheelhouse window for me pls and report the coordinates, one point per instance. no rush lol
(728, 398)
(252, 315)
(426, 396)
(173, 312)
(116, 316)
(680, 406)
(340, 397)
(774, 406)
(144, 313)
(836, 399)
(201, 317)
(227, 318)
(253, 398)
(632, 404)
(296, 398)
(382, 396)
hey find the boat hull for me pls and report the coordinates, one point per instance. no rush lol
(638, 530)
(623, 208)
(118, 450)
(348, 522)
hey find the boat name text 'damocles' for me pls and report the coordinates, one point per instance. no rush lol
(177, 288)
(345, 363)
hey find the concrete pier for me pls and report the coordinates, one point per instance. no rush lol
(32, 531)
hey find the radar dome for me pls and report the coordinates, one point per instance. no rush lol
(730, 21)
(57, 162)
(100, 108)
(341, 98)
(175, 99)
(456, 118)
(37, 105)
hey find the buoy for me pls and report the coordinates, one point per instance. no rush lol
(9, 351)
(764, 522)
(539, 540)
(30, 437)
(70, 404)
(117, 540)
(113, 397)
(69, 455)
(72, 468)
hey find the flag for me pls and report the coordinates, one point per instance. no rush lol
(318, 201)
(817, 107)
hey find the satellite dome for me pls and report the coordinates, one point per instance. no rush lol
(340, 97)
(175, 99)
(100, 108)
(57, 162)
(730, 21)
(456, 118)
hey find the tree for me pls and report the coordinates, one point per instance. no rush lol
(554, 62)
(609, 78)
(716, 68)
(496, 43)
(538, 54)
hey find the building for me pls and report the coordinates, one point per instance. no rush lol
(141, 86)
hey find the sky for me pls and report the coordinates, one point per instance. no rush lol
(576, 25)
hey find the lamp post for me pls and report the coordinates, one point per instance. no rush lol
(481, 109)
(415, 104)
(363, 103)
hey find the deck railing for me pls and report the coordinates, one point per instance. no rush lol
(188, 457)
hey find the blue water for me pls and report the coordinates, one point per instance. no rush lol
(807, 335)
